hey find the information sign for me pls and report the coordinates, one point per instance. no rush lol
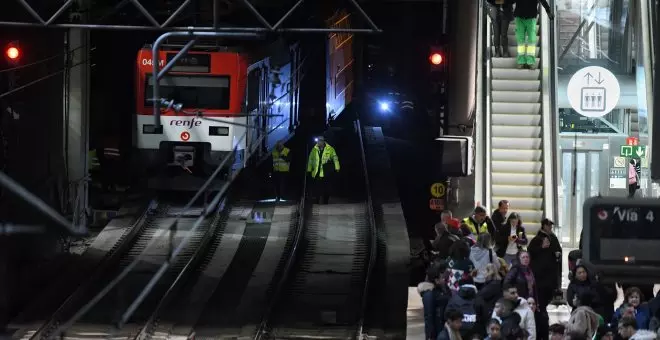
(593, 91)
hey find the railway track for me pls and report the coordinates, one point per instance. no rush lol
(153, 230)
(224, 297)
(80, 272)
(325, 295)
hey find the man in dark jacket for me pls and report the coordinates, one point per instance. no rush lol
(509, 319)
(545, 252)
(501, 14)
(470, 304)
(435, 296)
(525, 17)
(498, 219)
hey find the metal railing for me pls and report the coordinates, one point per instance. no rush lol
(549, 117)
(373, 246)
(481, 130)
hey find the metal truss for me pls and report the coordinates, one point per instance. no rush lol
(166, 25)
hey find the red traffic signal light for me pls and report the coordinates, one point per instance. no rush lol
(12, 52)
(436, 58)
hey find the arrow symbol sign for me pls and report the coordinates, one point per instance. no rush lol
(588, 76)
(600, 80)
(639, 151)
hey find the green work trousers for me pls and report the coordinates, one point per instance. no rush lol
(526, 40)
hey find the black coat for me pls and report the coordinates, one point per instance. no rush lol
(546, 266)
(490, 293)
(502, 238)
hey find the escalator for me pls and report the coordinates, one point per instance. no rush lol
(518, 127)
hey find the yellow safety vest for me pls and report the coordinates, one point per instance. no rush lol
(473, 229)
(315, 165)
(93, 160)
(279, 163)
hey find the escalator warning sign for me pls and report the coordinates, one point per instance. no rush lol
(436, 204)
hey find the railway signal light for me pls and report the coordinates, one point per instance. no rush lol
(437, 59)
(13, 52)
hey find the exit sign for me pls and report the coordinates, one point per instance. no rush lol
(638, 151)
(632, 141)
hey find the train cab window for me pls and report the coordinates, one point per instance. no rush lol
(194, 92)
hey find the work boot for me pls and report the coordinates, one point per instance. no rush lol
(497, 53)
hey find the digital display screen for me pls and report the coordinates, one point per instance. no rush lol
(195, 62)
(622, 231)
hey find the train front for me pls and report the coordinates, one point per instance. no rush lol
(201, 124)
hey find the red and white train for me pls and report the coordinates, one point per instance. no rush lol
(234, 93)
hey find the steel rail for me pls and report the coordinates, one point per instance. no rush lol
(190, 266)
(262, 330)
(373, 246)
(123, 246)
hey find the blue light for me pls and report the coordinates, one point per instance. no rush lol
(384, 106)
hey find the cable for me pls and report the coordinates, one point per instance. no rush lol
(41, 61)
(40, 79)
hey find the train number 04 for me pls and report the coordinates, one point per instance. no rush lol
(149, 62)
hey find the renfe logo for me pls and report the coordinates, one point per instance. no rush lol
(186, 123)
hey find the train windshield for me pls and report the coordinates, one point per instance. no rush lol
(194, 92)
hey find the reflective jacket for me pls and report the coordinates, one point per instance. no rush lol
(281, 160)
(470, 224)
(315, 165)
(93, 160)
(111, 153)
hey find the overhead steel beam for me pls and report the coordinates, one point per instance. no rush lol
(156, 26)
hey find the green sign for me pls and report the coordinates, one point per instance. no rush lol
(634, 151)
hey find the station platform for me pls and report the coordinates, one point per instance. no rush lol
(415, 311)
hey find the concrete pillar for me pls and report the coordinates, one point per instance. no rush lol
(77, 91)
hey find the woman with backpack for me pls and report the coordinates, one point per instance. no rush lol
(481, 255)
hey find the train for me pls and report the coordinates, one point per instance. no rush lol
(231, 100)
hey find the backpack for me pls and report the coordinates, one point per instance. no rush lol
(467, 307)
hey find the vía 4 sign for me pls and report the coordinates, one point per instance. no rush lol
(635, 151)
(631, 215)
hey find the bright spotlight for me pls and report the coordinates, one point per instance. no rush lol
(384, 106)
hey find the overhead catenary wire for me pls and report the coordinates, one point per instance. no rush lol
(48, 76)
(45, 60)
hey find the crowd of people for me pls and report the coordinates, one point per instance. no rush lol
(486, 280)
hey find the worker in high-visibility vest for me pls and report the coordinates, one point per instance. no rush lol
(93, 160)
(281, 163)
(321, 169)
(111, 163)
(476, 224)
